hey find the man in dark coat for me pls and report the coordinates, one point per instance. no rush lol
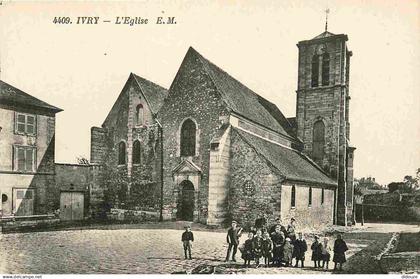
(232, 239)
(278, 242)
(187, 239)
(278, 223)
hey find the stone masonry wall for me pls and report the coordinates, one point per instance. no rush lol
(72, 177)
(130, 186)
(219, 180)
(255, 188)
(98, 146)
(192, 95)
(329, 104)
(313, 217)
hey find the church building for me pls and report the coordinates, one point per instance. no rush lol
(210, 150)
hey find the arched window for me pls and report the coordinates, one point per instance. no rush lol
(318, 141)
(315, 71)
(188, 138)
(310, 197)
(325, 69)
(322, 196)
(293, 197)
(136, 152)
(121, 153)
(139, 114)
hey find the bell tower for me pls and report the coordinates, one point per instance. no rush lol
(322, 113)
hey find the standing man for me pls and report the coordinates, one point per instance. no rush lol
(291, 230)
(278, 223)
(187, 239)
(232, 239)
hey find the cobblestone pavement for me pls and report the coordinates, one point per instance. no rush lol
(125, 251)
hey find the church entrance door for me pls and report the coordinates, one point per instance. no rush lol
(186, 201)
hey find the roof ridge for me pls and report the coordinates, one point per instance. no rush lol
(258, 98)
(142, 90)
(210, 73)
(149, 81)
(14, 90)
(142, 82)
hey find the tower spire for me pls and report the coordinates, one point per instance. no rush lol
(327, 11)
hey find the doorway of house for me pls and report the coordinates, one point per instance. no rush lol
(71, 205)
(23, 201)
(187, 201)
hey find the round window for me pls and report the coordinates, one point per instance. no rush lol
(4, 198)
(249, 188)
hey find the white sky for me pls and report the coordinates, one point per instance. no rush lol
(254, 41)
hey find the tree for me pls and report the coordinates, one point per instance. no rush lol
(394, 186)
(81, 160)
(368, 183)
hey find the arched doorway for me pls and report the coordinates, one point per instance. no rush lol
(186, 201)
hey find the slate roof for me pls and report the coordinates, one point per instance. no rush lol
(243, 100)
(293, 122)
(155, 94)
(13, 96)
(291, 164)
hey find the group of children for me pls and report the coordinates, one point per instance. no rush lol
(277, 247)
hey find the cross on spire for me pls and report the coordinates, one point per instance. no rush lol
(327, 11)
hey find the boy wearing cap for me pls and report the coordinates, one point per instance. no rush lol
(232, 239)
(187, 239)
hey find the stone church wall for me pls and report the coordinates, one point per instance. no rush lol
(255, 188)
(219, 180)
(193, 95)
(315, 216)
(129, 186)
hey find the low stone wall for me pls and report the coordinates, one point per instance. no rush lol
(402, 262)
(132, 215)
(390, 207)
(12, 226)
(401, 254)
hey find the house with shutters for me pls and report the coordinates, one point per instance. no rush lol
(210, 150)
(27, 138)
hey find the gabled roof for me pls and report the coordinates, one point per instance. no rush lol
(242, 100)
(291, 164)
(13, 96)
(187, 166)
(154, 94)
(324, 35)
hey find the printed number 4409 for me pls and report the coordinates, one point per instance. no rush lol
(61, 20)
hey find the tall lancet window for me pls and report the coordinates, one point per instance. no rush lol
(315, 71)
(293, 197)
(121, 153)
(139, 114)
(136, 152)
(188, 138)
(318, 141)
(325, 69)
